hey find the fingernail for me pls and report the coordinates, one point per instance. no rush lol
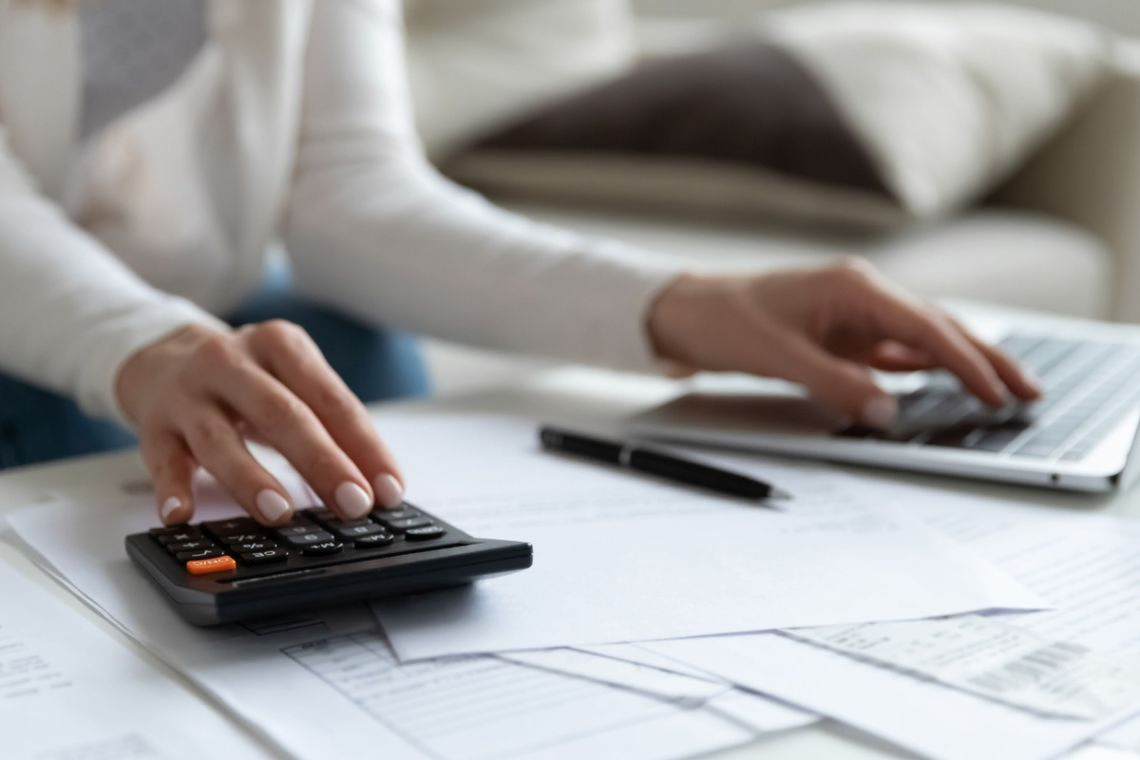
(880, 412)
(389, 492)
(272, 505)
(352, 500)
(169, 507)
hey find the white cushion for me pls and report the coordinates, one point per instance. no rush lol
(948, 99)
(942, 103)
(477, 64)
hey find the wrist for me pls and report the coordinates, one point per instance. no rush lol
(680, 314)
(138, 372)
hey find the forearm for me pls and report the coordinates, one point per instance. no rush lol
(70, 313)
(397, 245)
(373, 229)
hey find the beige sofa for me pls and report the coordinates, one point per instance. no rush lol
(1061, 236)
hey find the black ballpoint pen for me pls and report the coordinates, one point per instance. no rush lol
(656, 463)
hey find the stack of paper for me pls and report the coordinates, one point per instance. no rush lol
(574, 657)
(70, 693)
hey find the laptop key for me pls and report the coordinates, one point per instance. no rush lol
(995, 440)
(955, 439)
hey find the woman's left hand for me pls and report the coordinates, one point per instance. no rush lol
(826, 329)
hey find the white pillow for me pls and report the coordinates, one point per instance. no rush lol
(944, 101)
(949, 100)
(475, 65)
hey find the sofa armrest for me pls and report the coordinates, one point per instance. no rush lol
(1089, 174)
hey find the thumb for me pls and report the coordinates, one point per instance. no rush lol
(843, 386)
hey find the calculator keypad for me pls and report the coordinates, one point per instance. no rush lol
(314, 535)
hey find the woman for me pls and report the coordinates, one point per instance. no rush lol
(138, 200)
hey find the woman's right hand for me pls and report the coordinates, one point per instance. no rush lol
(197, 394)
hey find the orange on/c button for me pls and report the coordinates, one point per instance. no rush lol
(212, 565)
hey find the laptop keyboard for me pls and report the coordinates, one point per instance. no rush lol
(1088, 385)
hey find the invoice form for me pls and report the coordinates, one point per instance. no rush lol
(69, 692)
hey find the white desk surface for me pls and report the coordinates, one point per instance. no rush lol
(571, 396)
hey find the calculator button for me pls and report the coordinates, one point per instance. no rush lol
(253, 546)
(400, 513)
(357, 531)
(376, 539)
(199, 554)
(265, 557)
(307, 539)
(297, 527)
(406, 523)
(337, 523)
(189, 546)
(211, 565)
(320, 514)
(322, 549)
(231, 526)
(157, 532)
(179, 536)
(424, 533)
(242, 538)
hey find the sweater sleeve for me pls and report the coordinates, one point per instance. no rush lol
(372, 228)
(70, 312)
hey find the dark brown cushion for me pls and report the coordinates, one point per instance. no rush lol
(747, 104)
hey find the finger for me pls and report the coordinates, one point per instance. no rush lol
(292, 357)
(214, 442)
(287, 424)
(841, 385)
(890, 356)
(1015, 377)
(926, 330)
(172, 470)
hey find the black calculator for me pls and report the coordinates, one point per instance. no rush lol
(227, 571)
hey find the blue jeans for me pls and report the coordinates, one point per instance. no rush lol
(38, 425)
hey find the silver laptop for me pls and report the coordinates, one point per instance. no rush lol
(1080, 437)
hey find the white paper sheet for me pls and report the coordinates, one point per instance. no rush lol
(483, 707)
(639, 655)
(68, 692)
(1087, 565)
(1125, 736)
(758, 713)
(622, 558)
(287, 678)
(629, 675)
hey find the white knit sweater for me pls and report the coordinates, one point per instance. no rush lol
(294, 123)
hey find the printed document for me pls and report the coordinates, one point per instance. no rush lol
(326, 685)
(1086, 565)
(619, 557)
(69, 692)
